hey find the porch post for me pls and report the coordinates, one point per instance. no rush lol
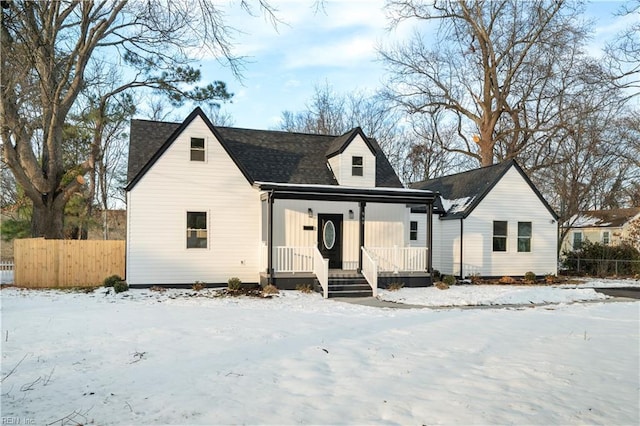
(430, 237)
(270, 238)
(361, 234)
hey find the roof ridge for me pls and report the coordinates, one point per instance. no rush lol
(277, 131)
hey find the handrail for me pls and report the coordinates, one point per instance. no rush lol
(370, 271)
(321, 270)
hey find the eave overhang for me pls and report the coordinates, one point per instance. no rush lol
(342, 193)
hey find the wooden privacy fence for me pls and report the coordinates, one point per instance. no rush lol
(41, 263)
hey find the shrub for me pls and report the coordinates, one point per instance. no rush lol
(304, 288)
(120, 286)
(435, 274)
(507, 280)
(234, 283)
(197, 286)
(550, 278)
(395, 286)
(449, 280)
(602, 260)
(270, 289)
(110, 281)
(530, 277)
(442, 285)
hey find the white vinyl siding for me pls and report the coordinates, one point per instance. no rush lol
(342, 165)
(156, 248)
(526, 207)
(384, 225)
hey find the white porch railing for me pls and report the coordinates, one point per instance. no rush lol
(321, 270)
(395, 259)
(293, 259)
(370, 271)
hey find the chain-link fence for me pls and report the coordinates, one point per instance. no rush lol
(601, 267)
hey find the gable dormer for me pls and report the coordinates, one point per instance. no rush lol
(352, 158)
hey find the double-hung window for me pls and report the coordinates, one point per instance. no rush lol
(413, 231)
(577, 240)
(357, 166)
(606, 238)
(524, 236)
(197, 230)
(499, 235)
(197, 149)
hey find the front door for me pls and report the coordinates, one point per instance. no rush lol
(330, 239)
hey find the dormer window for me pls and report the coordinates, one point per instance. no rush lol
(197, 149)
(357, 166)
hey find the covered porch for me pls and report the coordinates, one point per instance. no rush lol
(342, 237)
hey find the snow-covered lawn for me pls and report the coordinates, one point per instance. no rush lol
(144, 357)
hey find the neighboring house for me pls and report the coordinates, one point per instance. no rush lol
(496, 224)
(207, 203)
(609, 227)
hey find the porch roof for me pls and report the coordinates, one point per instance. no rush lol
(346, 193)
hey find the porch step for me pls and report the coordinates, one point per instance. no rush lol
(354, 285)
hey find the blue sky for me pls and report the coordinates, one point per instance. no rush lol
(334, 46)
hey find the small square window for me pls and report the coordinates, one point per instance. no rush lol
(499, 235)
(524, 236)
(357, 166)
(413, 231)
(197, 149)
(196, 229)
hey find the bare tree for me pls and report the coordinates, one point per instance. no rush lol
(623, 53)
(487, 61)
(49, 46)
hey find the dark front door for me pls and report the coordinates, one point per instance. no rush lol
(330, 238)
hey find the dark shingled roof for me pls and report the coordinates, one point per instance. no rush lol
(462, 192)
(262, 155)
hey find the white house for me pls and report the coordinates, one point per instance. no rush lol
(496, 224)
(208, 203)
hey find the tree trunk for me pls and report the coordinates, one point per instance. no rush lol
(48, 219)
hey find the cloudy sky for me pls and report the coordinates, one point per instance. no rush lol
(335, 45)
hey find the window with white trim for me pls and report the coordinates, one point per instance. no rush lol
(357, 166)
(524, 237)
(413, 231)
(499, 235)
(197, 230)
(606, 238)
(577, 240)
(197, 149)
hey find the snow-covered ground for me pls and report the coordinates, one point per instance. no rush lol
(145, 357)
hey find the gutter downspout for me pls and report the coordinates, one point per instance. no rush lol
(270, 238)
(361, 232)
(461, 245)
(430, 239)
